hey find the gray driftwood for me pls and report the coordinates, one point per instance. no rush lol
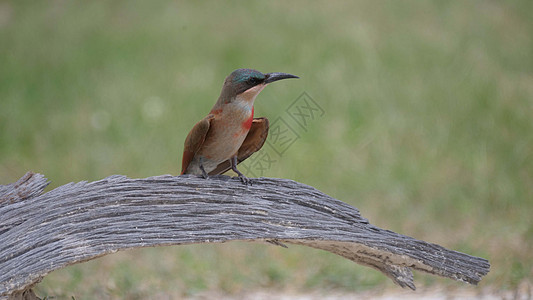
(76, 222)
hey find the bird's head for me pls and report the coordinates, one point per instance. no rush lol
(246, 84)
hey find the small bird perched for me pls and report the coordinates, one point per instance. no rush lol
(229, 133)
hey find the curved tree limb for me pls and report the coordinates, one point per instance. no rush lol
(76, 222)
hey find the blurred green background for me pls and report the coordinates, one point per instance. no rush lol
(428, 124)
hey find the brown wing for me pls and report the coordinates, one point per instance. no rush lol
(194, 141)
(252, 143)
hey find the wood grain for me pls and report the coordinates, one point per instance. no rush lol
(76, 222)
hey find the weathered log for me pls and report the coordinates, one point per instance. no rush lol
(76, 222)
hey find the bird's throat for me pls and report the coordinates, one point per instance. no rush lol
(250, 94)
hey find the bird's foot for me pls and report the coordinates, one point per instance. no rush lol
(245, 180)
(204, 173)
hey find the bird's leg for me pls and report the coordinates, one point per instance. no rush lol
(204, 173)
(233, 162)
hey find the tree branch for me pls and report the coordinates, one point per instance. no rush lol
(76, 222)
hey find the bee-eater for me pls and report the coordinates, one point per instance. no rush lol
(229, 133)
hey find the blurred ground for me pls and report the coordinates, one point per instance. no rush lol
(434, 293)
(423, 122)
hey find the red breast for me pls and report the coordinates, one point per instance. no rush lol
(246, 125)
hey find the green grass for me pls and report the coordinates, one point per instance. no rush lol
(427, 128)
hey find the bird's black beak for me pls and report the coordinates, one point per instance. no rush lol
(271, 77)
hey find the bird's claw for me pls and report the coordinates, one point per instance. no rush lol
(245, 180)
(204, 173)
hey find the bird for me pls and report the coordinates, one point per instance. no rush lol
(229, 134)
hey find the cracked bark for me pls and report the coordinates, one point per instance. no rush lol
(76, 222)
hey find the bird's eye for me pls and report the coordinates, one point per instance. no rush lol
(252, 80)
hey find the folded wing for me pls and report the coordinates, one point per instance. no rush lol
(194, 141)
